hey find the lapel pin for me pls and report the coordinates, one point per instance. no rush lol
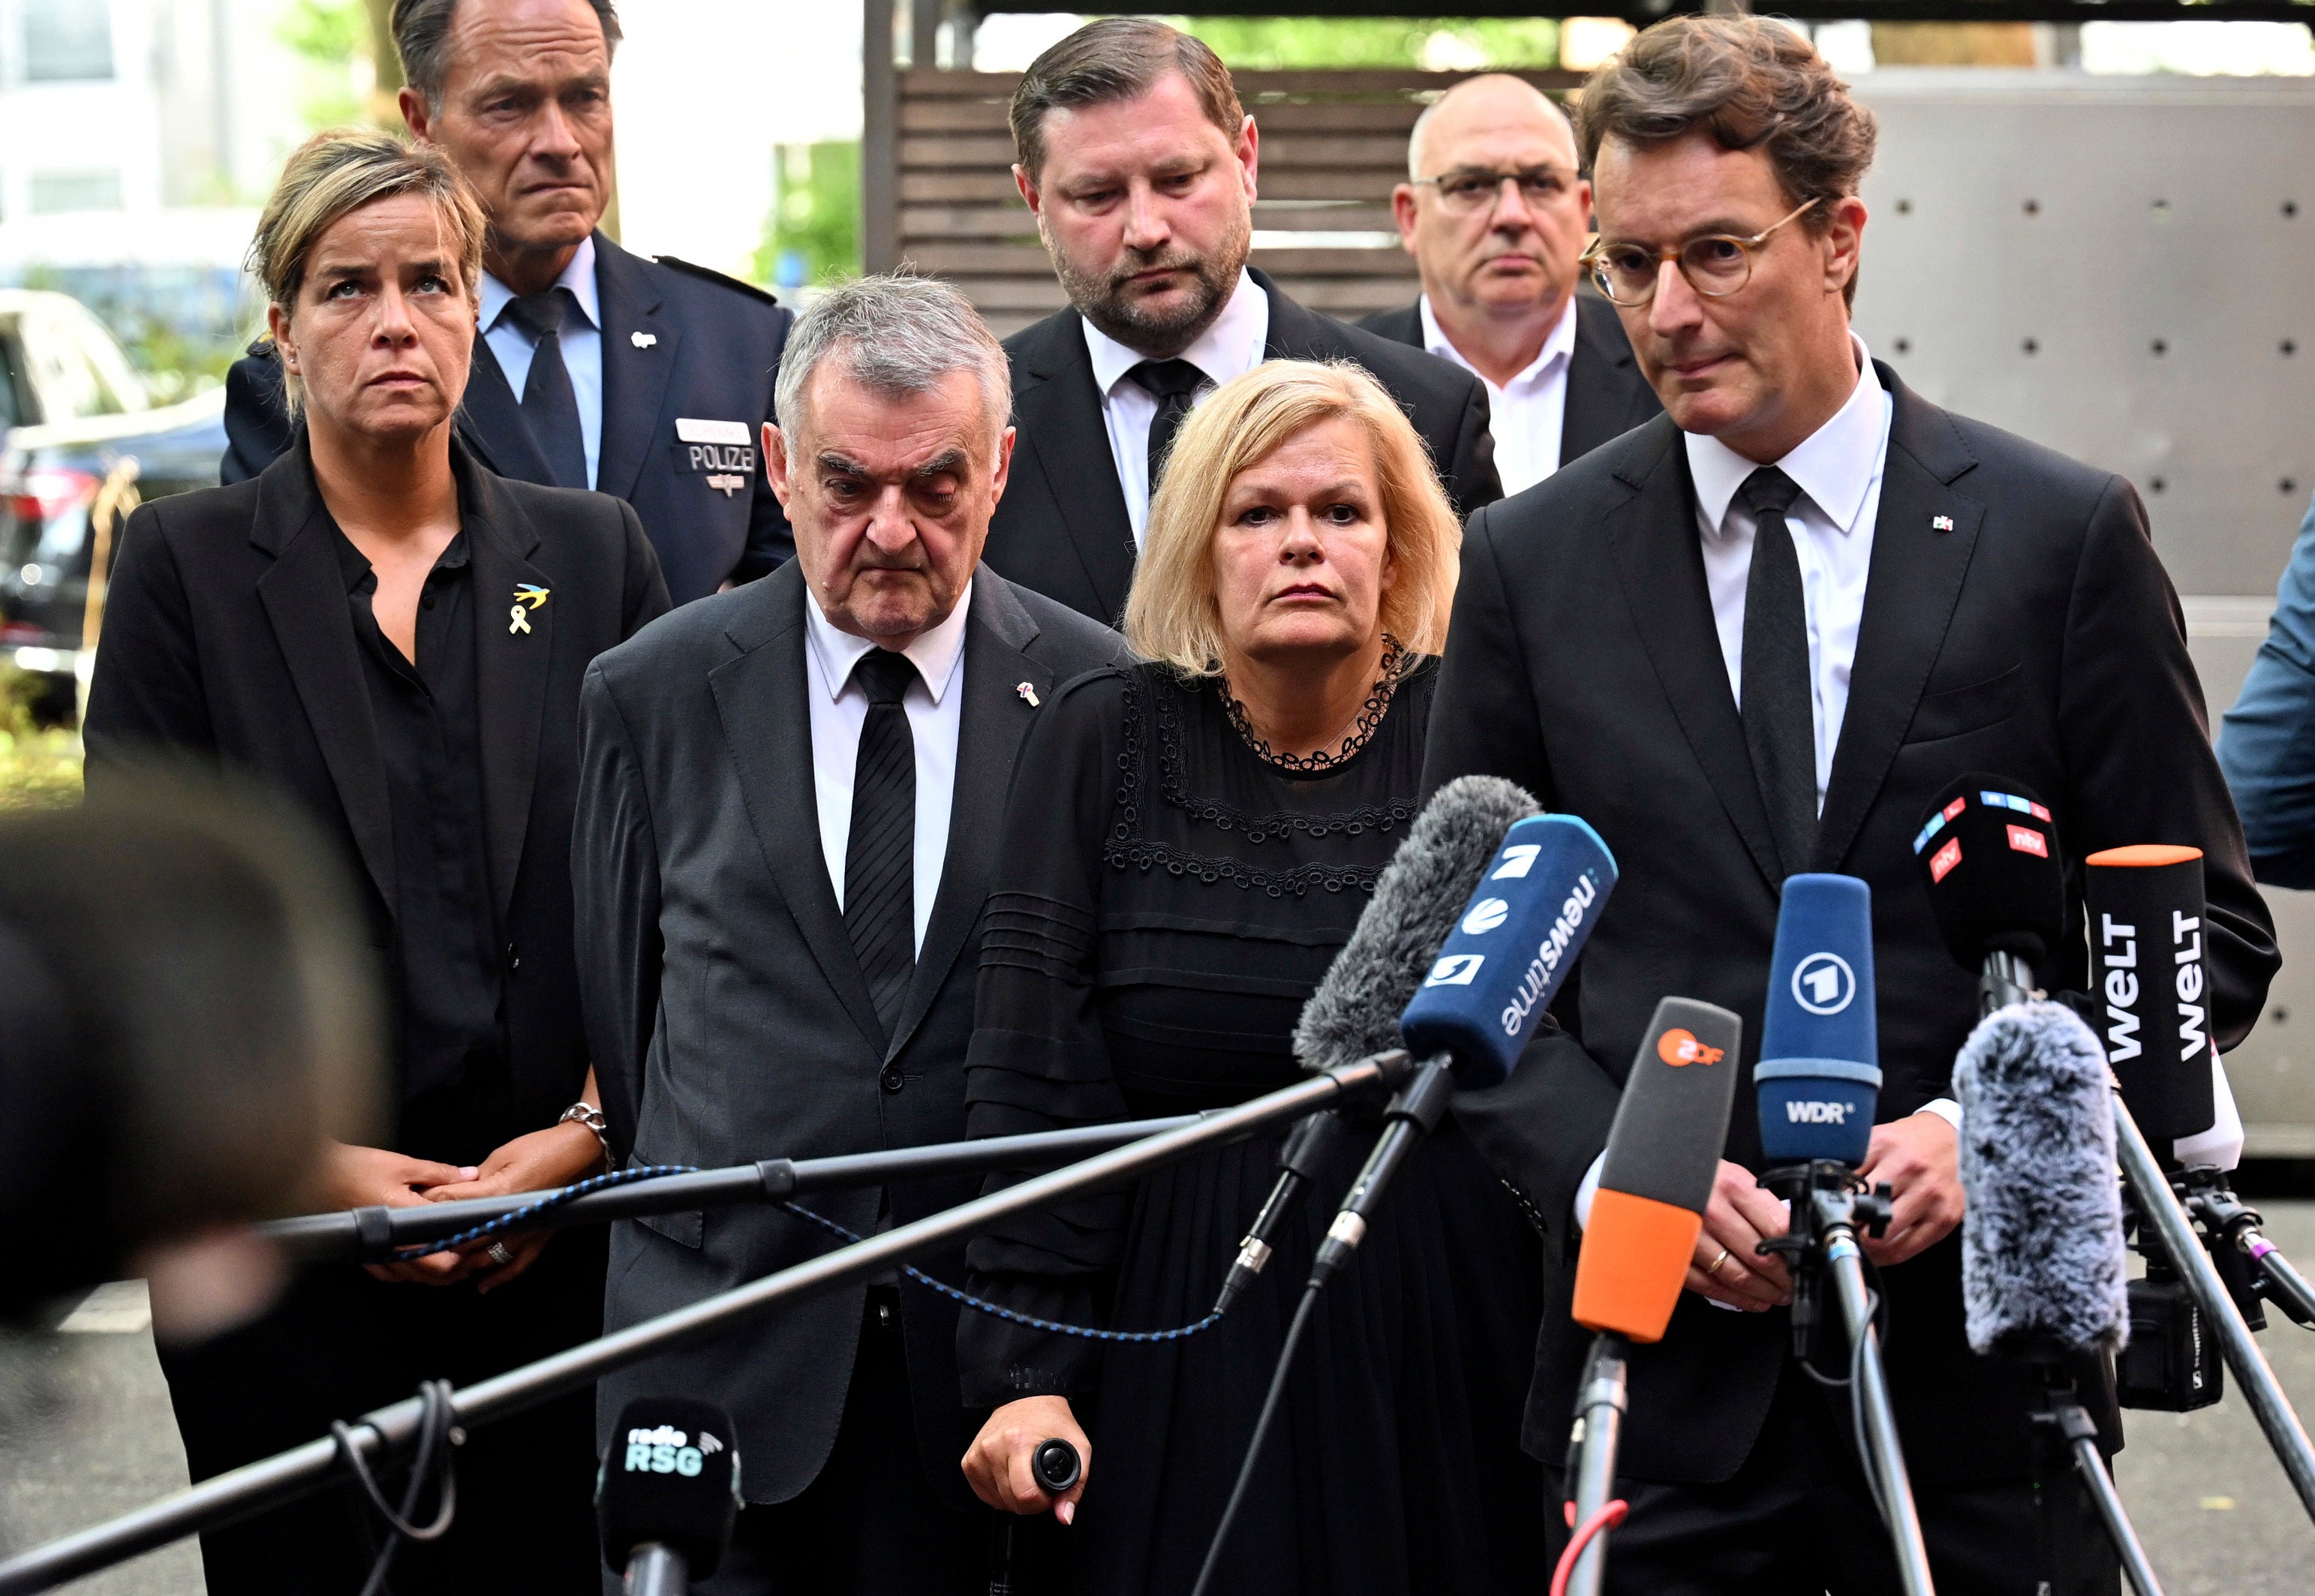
(1941, 523)
(643, 340)
(1028, 695)
(530, 593)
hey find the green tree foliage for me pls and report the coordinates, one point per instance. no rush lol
(1436, 43)
(815, 219)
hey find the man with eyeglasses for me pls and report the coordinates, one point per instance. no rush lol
(1755, 637)
(1494, 215)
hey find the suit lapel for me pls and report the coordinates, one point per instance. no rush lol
(1910, 591)
(1599, 378)
(1060, 424)
(511, 667)
(489, 419)
(767, 721)
(1654, 541)
(1297, 333)
(995, 718)
(634, 376)
(305, 598)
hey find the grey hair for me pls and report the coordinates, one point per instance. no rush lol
(421, 38)
(899, 335)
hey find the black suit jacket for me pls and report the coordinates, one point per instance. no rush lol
(2015, 621)
(226, 638)
(710, 351)
(1062, 529)
(1607, 396)
(729, 1018)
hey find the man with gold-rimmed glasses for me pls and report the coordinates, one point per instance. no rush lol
(1755, 637)
(1494, 215)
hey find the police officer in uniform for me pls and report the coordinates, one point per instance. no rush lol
(596, 368)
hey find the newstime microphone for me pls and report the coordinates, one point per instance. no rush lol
(669, 1494)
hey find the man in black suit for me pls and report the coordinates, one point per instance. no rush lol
(1496, 216)
(594, 369)
(1139, 164)
(1757, 636)
(783, 845)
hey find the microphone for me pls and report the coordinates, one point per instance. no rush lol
(669, 1494)
(2146, 910)
(1819, 1077)
(1989, 853)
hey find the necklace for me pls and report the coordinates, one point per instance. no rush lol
(1371, 713)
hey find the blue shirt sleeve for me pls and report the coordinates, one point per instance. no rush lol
(2267, 743)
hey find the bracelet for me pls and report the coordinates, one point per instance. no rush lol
(589, 1115)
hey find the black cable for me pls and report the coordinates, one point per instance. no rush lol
(1270, 1404)
(435, 1433)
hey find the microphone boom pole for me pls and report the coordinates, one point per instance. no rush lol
(253, 1488)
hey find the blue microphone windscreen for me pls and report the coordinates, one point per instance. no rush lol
(1518, 937)
(1820, 1072)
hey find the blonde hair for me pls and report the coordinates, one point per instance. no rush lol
(1172, 615)
(335, 173)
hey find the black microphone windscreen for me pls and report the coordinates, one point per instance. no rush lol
(1421, 894)
(670, 1475)
(2146, 913)
(2043, 1267)
(1989, 853)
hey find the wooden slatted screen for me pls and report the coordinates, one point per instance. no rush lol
(1332, 144)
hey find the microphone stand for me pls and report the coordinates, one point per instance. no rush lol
(2005, 980)
(655, 1569)
(2235, 1229)
(2078, 1433)
(1827, 1210)
(1600, 1408)
(253, 1488)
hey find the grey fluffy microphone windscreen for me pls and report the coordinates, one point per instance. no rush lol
(2042, 1256)
(1420, 895)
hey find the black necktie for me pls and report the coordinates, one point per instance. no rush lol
(548, 402)
(1174, 384)
(1779, 723)
(880, 858)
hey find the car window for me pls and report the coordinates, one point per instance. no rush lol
(118, 385)
(69, 386)
(15, 411)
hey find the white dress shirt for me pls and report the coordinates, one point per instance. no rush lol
(1528, 414)
(935, 702)
(582, 344)
(1231, 347)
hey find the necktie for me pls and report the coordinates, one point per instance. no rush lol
(880, 858)
(1174, 384)
(1780, 722)
(548, 402)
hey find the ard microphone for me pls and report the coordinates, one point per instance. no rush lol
(2146, 913)
(1663, 1152)
(1819, 1077)
(669, 1494)
(2042, 1259)
(1989, 856)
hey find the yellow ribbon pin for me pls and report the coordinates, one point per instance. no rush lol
(530, 593)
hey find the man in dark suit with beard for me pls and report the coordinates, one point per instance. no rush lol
(782, 843)
(1496, 216)
(1755, 637)
(595, 368)
(1139, 164)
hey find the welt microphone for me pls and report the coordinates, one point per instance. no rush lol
(669, 1494)
(1819, 1077)
(2146, 912)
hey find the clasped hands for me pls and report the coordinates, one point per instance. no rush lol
(1918, 1156)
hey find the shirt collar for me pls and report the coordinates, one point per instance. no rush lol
(1558, 345)
(1231, 347)
(935, 654)
(578, 277)
(1833, 466)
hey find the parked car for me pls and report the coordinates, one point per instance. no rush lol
(80, 446)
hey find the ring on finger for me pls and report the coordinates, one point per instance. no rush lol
(499, 1256)
(1712, 1271)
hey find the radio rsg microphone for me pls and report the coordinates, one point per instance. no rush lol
(1662, 1153)
(1820, 1073)
(669, 1494)
(2146, 912)
(2042, 1258)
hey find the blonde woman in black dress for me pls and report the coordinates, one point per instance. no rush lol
(1187, 845)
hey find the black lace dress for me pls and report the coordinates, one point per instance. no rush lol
(1165, 900)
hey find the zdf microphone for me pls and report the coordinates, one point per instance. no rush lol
(1819, 1077)
(669, 1494)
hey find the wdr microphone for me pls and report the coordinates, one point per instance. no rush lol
(1662, 1153)
(2146, 911)
(669, 1494)
(1820, 1073)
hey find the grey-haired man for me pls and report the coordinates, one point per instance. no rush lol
(784, 835)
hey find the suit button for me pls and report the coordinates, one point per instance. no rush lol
(891, 1080)
(514, 959)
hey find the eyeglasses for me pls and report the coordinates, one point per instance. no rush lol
(1716, 265)
(1474, 189)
